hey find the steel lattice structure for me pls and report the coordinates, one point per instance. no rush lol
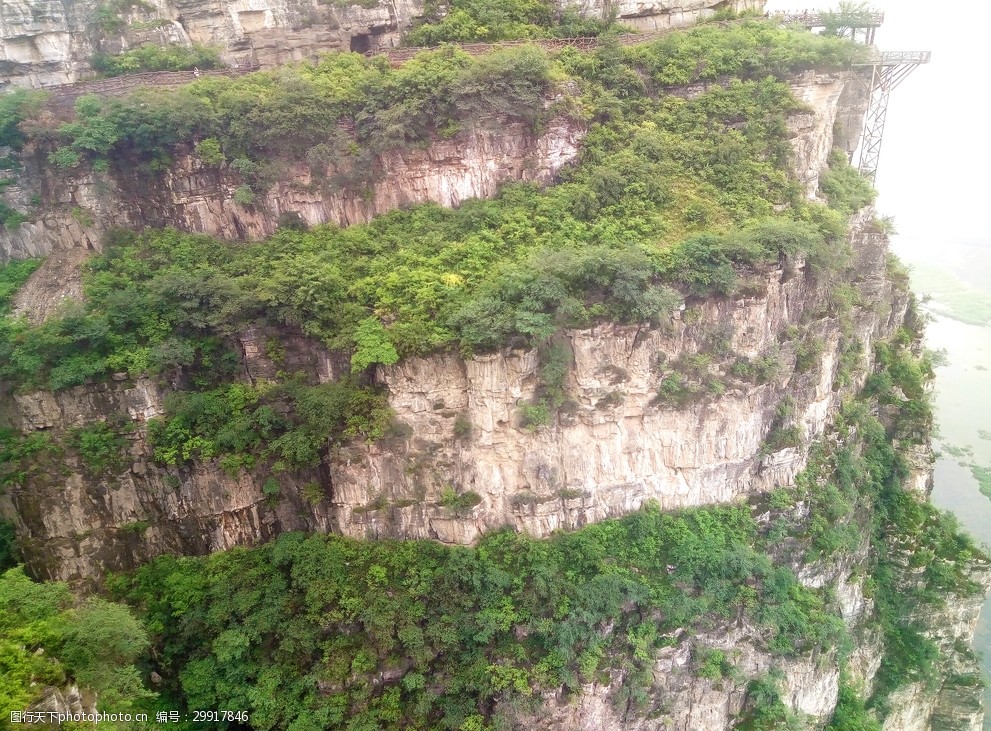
(887, 70)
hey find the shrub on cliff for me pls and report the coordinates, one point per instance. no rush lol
(45, 642)
(843, 185)
(12, 276)
(15, 107)
(292, 109)
(754, 48)
(464, 21)
(153, 57)
(285, 426)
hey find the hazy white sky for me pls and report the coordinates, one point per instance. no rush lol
(936, 157)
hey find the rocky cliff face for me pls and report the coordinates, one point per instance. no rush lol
(954, 700)
(44, 43)
(49, 42)
(691, 703)
(459, 429)
(460, 460)
(194, 197)
(611, 449)
(77, 209)
(459, 434)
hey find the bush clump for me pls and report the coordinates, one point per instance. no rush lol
(509, 618)
(843, 185)
(287, 425)
(152, 57)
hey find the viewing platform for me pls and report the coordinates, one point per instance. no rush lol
(866, 22)
(824, 19)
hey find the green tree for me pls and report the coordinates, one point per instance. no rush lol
(100, 644)
(44, 641)
(372, 346)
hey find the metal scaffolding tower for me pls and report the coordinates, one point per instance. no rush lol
(887, 70)
(879, 74)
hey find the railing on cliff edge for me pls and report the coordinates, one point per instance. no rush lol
(825, 18)
(867, 21)
(66, 94)
(401, 55)
(880, 72)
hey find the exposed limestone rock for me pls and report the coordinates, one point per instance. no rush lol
(195, 198)
(595, 462)
(812, 129)
(953, 702)
(659, 14)
(69, 700)
(681, 701)
(49, 42)
(959, 706)
(57, 281)
(601, 458)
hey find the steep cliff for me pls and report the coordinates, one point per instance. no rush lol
(77, 208)
(692, 392)
(194, 197)
(459, 427)
(459, 420)
(48, 43)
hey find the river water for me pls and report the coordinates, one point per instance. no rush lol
(958, 279)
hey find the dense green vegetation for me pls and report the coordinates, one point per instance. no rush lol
(15, 107)
(10, 217)
(465, 21)
(458, 628)
(301, 111)
(101, 446)
(151, 57)
(12, 276)
(855, 492)
(285, 425)
(670, 194)
(8, 545)
(671, 199)
(843, 185)
(851, 714)
(47, 639)
(907, 531)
